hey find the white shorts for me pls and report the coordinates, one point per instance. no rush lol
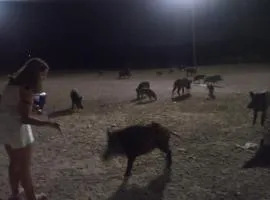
(25, 137)
(18, 138)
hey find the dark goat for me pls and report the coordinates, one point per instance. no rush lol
(142, 85)
(181, 84)
(124, 73)
(76, 99)
(191, 71)
(137, 140)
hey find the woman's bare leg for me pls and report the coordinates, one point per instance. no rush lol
(25, 173)
(13, 171)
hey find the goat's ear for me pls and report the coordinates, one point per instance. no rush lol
(251, 94)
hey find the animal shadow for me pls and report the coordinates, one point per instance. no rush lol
(153, 191)
(123, 78)
(261, 159)
(145, 102)
(134, 100)
(60, 113)
(137, 100)
(218, 86)
(213, 97)
(182, 97)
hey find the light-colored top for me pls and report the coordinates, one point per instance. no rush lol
(12, 131)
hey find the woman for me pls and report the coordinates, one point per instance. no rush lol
(16, 121)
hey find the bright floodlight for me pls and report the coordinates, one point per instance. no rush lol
(181, 3)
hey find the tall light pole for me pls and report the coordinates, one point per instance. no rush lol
(190, 4)
(193, 30)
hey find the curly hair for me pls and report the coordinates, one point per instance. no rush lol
(29, 74)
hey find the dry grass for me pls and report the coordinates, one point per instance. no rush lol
(206, 162)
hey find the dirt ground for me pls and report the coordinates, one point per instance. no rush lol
(207, 164)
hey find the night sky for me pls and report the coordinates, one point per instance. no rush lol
(58, 29)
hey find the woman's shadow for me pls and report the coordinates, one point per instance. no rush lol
(153, 191)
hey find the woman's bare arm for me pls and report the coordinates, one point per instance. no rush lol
(25, 109)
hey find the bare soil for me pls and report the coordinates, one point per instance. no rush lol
(207, 163)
